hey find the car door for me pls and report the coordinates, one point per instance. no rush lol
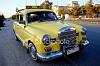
(16, 24)
(23, 34)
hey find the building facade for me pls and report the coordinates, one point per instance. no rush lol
(74, 4)
(59, 10)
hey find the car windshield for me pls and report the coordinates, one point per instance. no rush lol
(41, 16)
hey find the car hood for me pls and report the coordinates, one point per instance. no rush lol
(50, 27)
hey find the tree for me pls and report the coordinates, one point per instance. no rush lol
(46, 5)
(89, 10)
(82, 10)
(97, 9)
(61, 12)
(13, 17)
(74, 11)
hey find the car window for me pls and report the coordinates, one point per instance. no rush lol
(21, 17)
(41, 16)
(17, 17)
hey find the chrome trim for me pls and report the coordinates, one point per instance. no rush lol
(51, 56)
(64, 29)
(85, 42)
(67, 33)
(46, 38)
(72, 29)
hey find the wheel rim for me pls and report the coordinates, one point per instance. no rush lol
(33, 52)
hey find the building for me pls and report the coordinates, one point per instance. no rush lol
(97, 5)
(74, 4)
(59, 10)
(89, 1)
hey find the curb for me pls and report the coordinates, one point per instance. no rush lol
(84, 22)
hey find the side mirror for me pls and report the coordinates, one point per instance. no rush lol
(22, 22)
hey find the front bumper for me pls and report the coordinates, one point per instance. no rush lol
(53, 55)
(50, 56)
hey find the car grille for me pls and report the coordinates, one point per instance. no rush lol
(67, 35)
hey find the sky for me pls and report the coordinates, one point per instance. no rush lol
(8, 7)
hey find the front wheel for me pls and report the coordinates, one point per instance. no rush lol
(16, 38)
(81, 46)
(33, 52)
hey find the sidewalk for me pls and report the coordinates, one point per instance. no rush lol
(84, 19)
(92, 21)
(81, 22)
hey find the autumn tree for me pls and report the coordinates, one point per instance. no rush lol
(82, 10)
(61, 12)
(46, 4)
(97, 9)
(89, 10)
(74, 11)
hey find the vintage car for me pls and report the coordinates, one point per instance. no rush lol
(45, 36)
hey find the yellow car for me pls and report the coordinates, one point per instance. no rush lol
(45, 36)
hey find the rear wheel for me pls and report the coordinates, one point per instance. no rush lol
(16, 38)
(81, 46)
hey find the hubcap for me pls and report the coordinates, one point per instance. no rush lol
(32, 51)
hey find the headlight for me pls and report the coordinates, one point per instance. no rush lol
(46, 39)
(84, 30)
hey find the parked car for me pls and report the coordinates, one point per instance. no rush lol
(45, 36)
(2, 18)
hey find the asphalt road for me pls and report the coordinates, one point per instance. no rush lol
(12, 53)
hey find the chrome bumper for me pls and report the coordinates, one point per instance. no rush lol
(84, 42)
(50, 56)
(57, 54)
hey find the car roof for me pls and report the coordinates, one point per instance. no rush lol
(33, 10)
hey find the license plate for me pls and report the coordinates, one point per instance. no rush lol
(72, 50)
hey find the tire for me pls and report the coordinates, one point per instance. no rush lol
(16, 38)
(33, 52)
(81, 47)
(3, 24)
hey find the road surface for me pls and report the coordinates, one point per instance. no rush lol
(12, 53)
